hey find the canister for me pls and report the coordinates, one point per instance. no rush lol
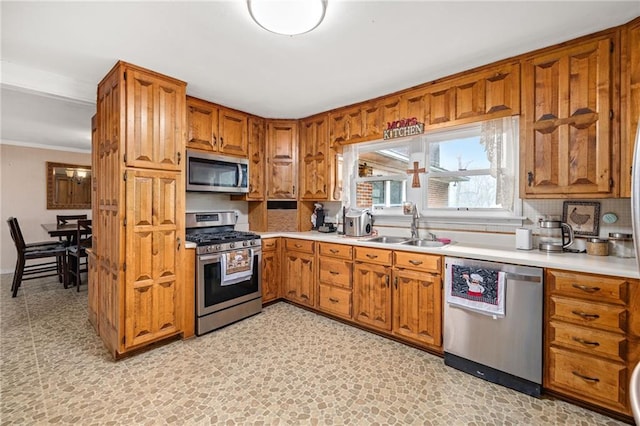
(598, 247)
(621, 245)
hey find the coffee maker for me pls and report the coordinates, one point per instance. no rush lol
(318, 212)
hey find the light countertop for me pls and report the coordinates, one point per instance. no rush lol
(578, 262)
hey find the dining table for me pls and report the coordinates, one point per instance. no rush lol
(66, 231)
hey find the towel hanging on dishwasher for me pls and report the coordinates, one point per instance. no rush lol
(478, 289)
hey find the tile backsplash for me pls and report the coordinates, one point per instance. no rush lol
(552, 209)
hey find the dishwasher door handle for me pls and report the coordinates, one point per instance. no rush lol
(517, 277)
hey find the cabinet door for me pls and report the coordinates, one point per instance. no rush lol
(270, 275)
(414, 104)
(338, 128)
(314, 144)
(565, 137)
(282, 142)
(630, 97)
(256, 159)
(299, 281)
(202, 125)
(355, 125)
(372, 295)
(155, 121)
(233, 133)
(154, 235)
(417, 307)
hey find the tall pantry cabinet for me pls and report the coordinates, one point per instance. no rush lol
(138, 220)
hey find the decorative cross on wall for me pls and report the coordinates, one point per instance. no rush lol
(415, 172)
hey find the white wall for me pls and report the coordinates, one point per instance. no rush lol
(23, 194)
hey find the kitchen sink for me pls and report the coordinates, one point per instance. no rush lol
(423, 243)
(387, 240)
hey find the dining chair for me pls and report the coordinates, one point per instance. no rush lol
(62, 219)
(67, 219)
(39, 250)
(78, 251)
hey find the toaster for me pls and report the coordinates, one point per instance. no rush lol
(358, 223)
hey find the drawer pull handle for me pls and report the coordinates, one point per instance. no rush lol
(298, 245)
(372, 256)
(334, 273)
(415, 262)
(586, 288)
(585, 342)
(332, 300)
(582, 376)
(334, 251)
(586, 315)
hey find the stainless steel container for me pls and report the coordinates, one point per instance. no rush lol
(358, 223)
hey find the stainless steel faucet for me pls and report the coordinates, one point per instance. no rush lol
(414, 222)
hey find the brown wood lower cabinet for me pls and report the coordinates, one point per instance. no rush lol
(335, 279)
(417, 307)
(270, 269)
(372, 295)
(589, 337)
(299, 270)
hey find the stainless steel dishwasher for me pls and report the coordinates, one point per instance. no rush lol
(502, 348)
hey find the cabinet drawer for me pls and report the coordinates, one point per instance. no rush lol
(590, 314)
(335, 300)
(588, 340)
(417, 261)
(335, 272)
(371, 255)
(305, 246)
(588, 378)
(269, 244)
(602, 289)
(341, 251)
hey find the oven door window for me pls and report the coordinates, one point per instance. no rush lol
(215, 293)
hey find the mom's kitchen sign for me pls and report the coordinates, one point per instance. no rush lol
(402, 128)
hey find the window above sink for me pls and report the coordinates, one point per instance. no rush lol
(471, 174)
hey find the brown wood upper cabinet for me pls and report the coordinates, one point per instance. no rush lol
(155, 117)
(630, 100)
(215, 128)
(282, 157)
(256, 158)
(566, 141)
(377, 114)
(346, 126)
(315, 157)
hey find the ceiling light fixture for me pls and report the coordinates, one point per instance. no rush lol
(287, 17)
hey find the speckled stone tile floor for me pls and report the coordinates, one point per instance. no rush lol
(283, 366)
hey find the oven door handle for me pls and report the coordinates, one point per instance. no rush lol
(210, 257)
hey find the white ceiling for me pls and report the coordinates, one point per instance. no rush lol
(362, 50)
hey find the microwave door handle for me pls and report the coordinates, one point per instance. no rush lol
(239, 175)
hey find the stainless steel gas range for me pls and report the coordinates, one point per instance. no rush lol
(228, 270)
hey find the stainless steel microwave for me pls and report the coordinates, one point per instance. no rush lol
(216, 173)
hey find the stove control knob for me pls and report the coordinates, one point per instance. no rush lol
(217, 247)
(252, 242)
(244, 243)
(232, 245)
